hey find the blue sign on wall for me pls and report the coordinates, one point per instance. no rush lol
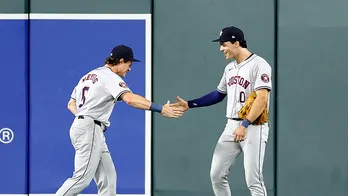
(62, 49)
(13, 106)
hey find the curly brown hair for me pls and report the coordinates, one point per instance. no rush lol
(113, 61)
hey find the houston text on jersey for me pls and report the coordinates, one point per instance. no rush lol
(238, 80)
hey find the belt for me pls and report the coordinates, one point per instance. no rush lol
(95, 122)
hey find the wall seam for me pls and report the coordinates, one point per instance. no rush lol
(152, 95)
(276, 98)
(27, 10)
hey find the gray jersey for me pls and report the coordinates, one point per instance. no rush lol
(97, 92)
(239, 80)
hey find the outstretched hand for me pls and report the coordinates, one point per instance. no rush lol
(180, 105)
(169, 112)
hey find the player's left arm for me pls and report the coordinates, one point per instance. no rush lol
(72, 106)
(263, 85)
(259, 104)
(72, 102)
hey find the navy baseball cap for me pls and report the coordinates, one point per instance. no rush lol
(125, 52)
(230, 34)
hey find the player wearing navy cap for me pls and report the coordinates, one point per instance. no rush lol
(92, 102)
(248, 72)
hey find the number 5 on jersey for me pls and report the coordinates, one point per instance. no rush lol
(84, 91)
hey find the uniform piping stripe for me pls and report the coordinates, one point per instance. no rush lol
(223, 92)
(261, 87)
(119, 94)
(238, 68)
(261, 180)
(246, 62)
(89, 158)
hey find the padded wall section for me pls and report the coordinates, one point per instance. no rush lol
(62, 51)
(13, 106)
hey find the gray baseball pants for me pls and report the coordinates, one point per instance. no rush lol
(227, 151)
(92, 160)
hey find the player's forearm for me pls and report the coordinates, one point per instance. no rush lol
(73, 110)
(207, 100)
(72, 106)
(258, 106)
(139, 102)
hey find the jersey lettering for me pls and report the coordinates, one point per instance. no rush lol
(238, 80)
(92, 77)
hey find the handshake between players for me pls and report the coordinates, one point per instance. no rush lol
(175, 110)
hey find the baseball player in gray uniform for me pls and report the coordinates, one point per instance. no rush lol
(246, 73)
(92, 102)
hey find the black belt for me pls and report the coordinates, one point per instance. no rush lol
(95, 122)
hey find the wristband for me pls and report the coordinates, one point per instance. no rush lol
(246, 123)
(156, 108)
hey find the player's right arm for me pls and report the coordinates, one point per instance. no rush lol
(140, 102)
(209, 99)
(137, 101)
(120, 91)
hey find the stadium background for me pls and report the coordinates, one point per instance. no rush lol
(304, 41)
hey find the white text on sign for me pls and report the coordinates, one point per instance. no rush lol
(6, 135)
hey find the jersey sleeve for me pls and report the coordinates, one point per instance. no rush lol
(222, 88)
(263, 73)
(116, 87)
(73, 94)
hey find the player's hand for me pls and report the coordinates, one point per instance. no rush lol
(180, 105)
(170, 112)
(240, 133)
